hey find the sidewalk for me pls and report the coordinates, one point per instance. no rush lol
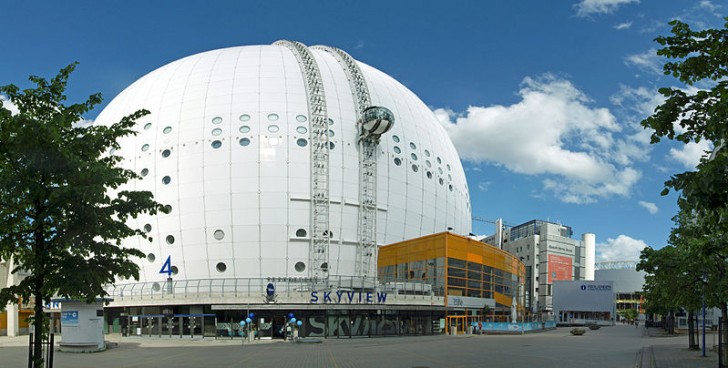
(674, 353)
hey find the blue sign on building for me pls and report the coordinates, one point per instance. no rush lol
(69, 318)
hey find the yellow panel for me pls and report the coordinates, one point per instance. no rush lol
(3, 320)
(472, 257)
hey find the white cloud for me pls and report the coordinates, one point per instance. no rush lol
(651, 207)
(689, 154)
(625, 25)
(588, 7)
(552, 132)
(708, 5)
(9, 105)
(484, 186)
(647, 61)
(623, 248)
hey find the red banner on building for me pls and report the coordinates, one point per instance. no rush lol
(560, 268)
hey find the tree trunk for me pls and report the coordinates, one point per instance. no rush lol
(724, 333)
(38, 329)
(693, 343)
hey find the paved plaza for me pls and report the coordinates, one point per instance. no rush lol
(617, 346)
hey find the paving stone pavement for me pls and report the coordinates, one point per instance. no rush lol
(617, 346)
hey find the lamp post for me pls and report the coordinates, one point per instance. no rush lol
(705, 280)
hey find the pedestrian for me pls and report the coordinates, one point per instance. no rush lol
(636, 323)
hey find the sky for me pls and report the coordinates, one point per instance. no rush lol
(542, 99)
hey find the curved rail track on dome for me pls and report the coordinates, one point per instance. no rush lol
(320, 239)
(367, 163)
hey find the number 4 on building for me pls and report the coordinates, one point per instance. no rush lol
(167, 267)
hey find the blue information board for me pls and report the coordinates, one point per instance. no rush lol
(69, 318)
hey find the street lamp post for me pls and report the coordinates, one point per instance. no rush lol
(705, 279)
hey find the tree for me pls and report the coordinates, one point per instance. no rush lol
(59, 217)
(699, 58)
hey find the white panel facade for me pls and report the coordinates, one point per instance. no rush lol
(227, 147)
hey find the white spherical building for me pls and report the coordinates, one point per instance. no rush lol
(261, 154)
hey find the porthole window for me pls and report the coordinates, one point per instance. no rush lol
(219, 234)
(301, 233)
(302, 130)
(112, 151)
(397, 150)
(216, 131)
(169, 239)
(412, 145)
(395, 138)
(147, 126)
(449, 177)
(273, 141)
(221, 267)
(273, 117)
(145, 148)
(450, 187)
(415, 168)
(168, 209)
(166, 153)
(448, 167)
(439, 161)
(175, 270)
(301, 142)
(156, 287)
(244, 129)
(151, 257)
(428, 163)
(441, 181)
(300, 266)
(244, 117)
(414, 157)
(216, 120)
(147, 228)
(439, 170)
(167, 130)
(331, 145)
(273, 128)
(427, 153)
(216, 144)
(144, 172)
(244, 142)
(166, 180)
(325, 267)
(331, 121)
(328, 234)
(397, 161)
(301, 118)
(331, 133)
(429, 174)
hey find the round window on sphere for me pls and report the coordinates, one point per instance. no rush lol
(244, 117)
(167, 130)
(331, 145)
(413, 146)
(145, 148)
(427, 153)
(216, 131)
(151, 257)
(428, 163)
(166, 180)
(300, 266)
(156, 287)
(147, 126)
(429, 174)
(331, 121)
(415, 168)
(144, 172)
(302, 130)
(147, 228)
(216, 144)
(244, 142)
(166, 153)
(397, 161)
(414, 157)
(216, 120)
(273, 117)
(221, 267)
(273, 128)
(331, 133)
(439, 161)
(175, 270)
(441, 181)
(395, 139)
(169, 239)
(219, 234)
(397, 150)
(244, 129)
(450, 187)
(168, 209)
(301, 142)
(301, 118)
(448, 167)
(301, 233)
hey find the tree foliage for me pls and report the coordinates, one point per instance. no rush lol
(62, 210)
(695, 261)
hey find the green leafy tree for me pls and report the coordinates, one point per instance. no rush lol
(699, 59)
(62, 212)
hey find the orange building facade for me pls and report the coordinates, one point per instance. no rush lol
(478, 282)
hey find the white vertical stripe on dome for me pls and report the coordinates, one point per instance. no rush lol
(321, 236)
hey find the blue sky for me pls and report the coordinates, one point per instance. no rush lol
(542, 99)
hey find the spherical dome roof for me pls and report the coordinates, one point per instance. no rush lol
(228, 146)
